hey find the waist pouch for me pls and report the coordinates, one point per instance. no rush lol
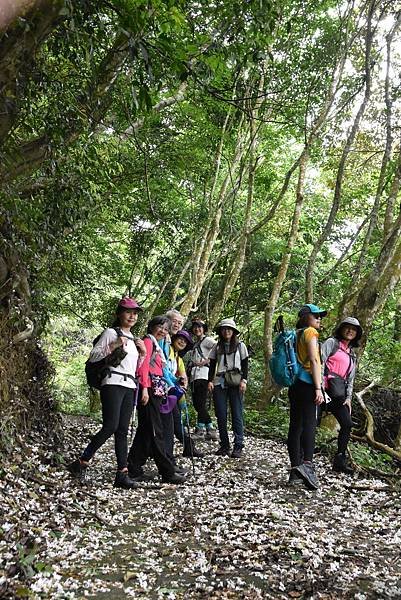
(336, 386)
(232, 378)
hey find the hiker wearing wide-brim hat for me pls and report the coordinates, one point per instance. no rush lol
(118, 389)
(227, 323)
(188, 339)
(228, 375)
(339, 364)
(198, 372)
(305, 395)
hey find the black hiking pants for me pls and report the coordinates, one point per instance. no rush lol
(117, 404)
(303, 420)
(149, 441)
(342, 414)
(168, 434)
(199, 400)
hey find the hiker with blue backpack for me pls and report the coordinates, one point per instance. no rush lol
(305, 396)
(149, 438)
(114, 357)
(339, 362)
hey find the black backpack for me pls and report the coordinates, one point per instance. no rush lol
(96, 371)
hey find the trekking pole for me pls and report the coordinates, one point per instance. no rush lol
(134, 411)
(190, 439)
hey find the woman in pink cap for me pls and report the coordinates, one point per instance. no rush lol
(117, 390)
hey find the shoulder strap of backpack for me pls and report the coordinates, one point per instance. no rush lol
(152, 360)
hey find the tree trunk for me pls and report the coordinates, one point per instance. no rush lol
(344, 157)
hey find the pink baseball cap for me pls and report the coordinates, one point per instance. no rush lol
(127, 302)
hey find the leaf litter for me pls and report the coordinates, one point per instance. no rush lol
(235, 530)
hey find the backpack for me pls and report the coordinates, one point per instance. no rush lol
(96, 371)
(285, 367)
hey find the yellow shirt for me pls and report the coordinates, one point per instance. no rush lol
(302, 350)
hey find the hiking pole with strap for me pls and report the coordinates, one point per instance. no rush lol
(190, 439)
(185, 405)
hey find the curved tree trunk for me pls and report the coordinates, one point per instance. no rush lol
(344, 157)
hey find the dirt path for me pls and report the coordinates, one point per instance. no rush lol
(234, 531)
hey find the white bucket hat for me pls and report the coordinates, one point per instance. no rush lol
(227, 323)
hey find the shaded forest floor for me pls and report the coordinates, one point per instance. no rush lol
(235, 530)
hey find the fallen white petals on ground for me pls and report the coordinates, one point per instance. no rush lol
(234, 530)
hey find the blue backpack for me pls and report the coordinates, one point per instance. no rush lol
(284, 365)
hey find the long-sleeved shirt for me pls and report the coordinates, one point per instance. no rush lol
(340, 359)
(126, 370)
(220, 363)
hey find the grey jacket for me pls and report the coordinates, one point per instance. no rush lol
(330, 347)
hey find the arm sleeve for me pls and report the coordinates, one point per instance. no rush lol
(212, 368)
(102, 347)
(244, 367)
(327, 349)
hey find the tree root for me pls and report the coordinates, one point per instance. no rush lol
(368, 436)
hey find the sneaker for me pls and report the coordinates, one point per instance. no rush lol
(341, 465)
(295, 479)
(176, 478)
(199, 433)
(124, 481)
(180, 470)
(223, 451)
(307, 471)
(79, 470)
(237, 451)
(211, 434)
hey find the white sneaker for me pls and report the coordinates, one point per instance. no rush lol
(199, 433)
(211, 434)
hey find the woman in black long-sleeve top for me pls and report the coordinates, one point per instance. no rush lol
(228, 375)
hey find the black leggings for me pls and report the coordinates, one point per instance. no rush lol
(303, 419)
(342, 414)
(199, 400)
(117, 404)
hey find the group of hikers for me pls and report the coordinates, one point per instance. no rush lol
(149, 375)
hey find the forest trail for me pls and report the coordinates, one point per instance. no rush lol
(235, 530)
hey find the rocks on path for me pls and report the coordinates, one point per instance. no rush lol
(235, 530)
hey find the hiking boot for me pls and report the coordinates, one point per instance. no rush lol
(176, 478)
(79, 470)
(124, 481)
(295, 479)
(199, 433)
(180, 470)
(307, 471)
(341, 465)
(223, 451)
(237, 451)
(211, 435)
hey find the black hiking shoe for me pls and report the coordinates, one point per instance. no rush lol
(295, 479)
(176, 478)
(307, 472)
(195, 453)
(79, 470)
(237, 451)
(223, 451)
(124, 481)
(341, 465)
(180, 470)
